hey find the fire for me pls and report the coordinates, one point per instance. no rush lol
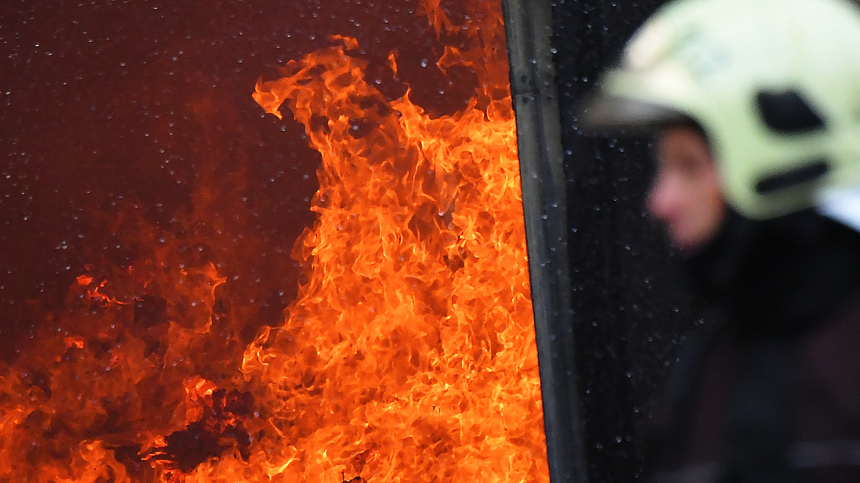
(414, 330)
(408, 355)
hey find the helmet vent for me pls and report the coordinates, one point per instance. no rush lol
(787, 179)
(787, 112)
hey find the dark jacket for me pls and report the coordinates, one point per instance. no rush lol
(770, 391)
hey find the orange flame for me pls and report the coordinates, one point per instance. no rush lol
(409, 354)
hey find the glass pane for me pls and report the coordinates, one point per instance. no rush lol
(194, 290)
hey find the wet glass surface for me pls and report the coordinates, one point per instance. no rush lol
(632, 312)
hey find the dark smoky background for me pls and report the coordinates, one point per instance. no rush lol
(128, 126)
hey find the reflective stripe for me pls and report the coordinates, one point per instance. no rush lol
(842, 205)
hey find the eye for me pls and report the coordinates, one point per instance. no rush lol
(684, 166)
(689, 165)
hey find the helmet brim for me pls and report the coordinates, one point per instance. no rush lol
(605, 114)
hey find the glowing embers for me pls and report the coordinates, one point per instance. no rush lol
(219, 429)
(108, 382)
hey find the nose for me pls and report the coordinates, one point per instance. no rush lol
(662, 202)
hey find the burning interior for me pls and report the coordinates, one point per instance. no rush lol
(335, 291)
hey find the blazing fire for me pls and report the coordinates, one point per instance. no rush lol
(408, 355)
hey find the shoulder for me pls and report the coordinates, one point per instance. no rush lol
(836, 341)
(830, 375)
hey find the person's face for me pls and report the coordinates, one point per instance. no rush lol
(685, 194)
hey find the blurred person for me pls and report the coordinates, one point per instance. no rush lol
(754, 108)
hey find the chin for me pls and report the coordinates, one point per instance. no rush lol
(685, 243)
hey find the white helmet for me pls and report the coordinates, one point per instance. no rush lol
(775, 84)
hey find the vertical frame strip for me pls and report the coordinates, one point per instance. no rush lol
(528, 26)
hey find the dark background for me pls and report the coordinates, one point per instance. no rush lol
(631, 311)
(127, 122)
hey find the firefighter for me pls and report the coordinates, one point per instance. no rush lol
(754, 109)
